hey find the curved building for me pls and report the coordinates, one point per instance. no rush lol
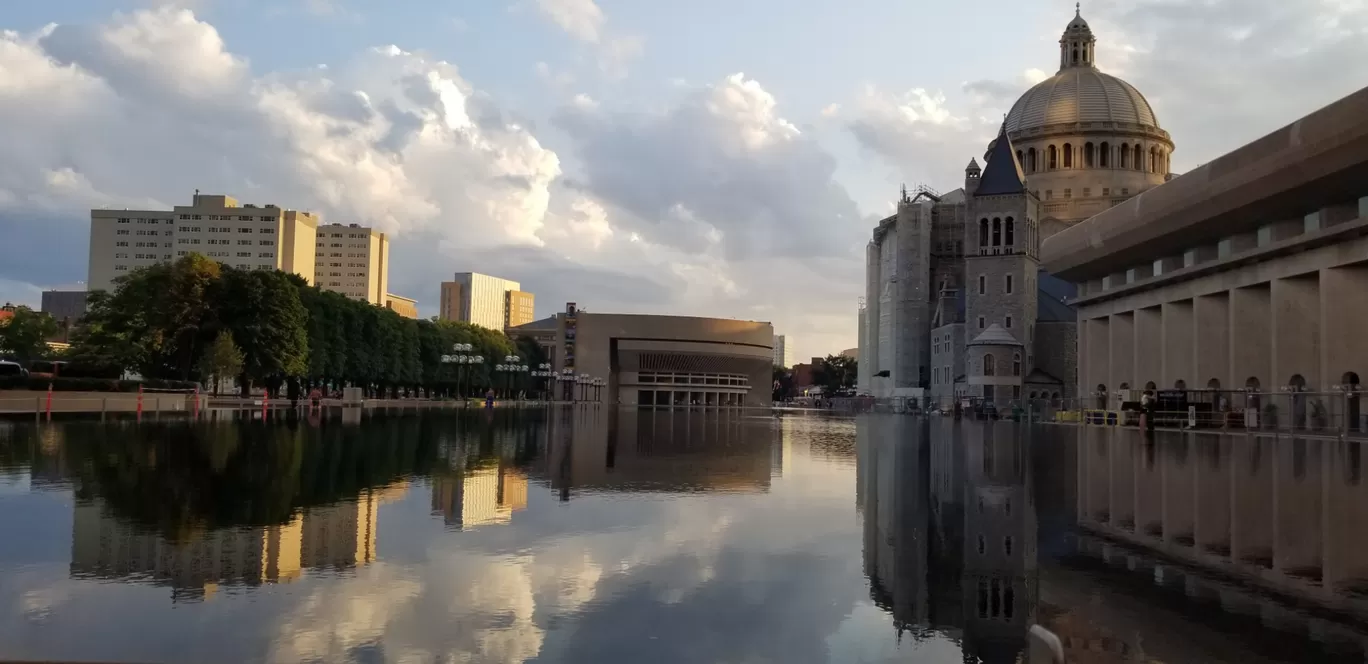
(660, 360)
(956, 304)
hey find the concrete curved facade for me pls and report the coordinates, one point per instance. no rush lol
(668, 360)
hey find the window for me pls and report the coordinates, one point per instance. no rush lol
(1125, 156)
(1088, 158)
(1068, 193)
(123, 220)
(983, 232)
(180, 253)
(1049, 193)
(1051, 158)
(1008, 285)
(1106, 191)
(1031, 157)
(185, 216)
(121, 268)
(989, 365)
(244, 218)
(123, 231)
(1068, 155)
(121, 244)
(981, 548)
(1011, 232)
(1139, 158)
(268, 231)
(1008, 322)
(244, 254)
(1087, 191)
(1125, 191)
(267, 243)
(243, 230)
(245, 242)
(1016, 362)
(1104, 155)
(983, 285)
(997, 232)
(1007, 545)
(980, 322)
(267, 218)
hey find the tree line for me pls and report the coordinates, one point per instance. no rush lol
(196, 319)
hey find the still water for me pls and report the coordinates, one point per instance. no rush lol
(670, 536)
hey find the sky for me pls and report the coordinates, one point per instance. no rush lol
(694, 157)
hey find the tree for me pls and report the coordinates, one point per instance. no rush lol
(222, 360)
(24, 335)
(835, 373)
(263, 311)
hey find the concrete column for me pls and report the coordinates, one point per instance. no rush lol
(1149, 491)
(1122, 484)
(1345, 510)
(1297, 495)
(1122, 351)
(1177, 344)
(1343, 326)
(1149, 346)
(1179, 510)
(1212, 491)
(1252, 501)
(1084, 366)
(1251, 337)
(1296, 329)
(1099, 353)
(1211, 329)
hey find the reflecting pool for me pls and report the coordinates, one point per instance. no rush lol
(598, 535)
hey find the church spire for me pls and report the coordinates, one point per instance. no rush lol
(1078, 46)
(1002, 175)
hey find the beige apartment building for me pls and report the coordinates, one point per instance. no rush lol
(246, 237)
(353, 260)
(518, 306)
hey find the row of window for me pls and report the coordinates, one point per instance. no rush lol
(140, 220)
(693, 379)
(1007, 284)
(989, 365)
(227, 217)
(983, 322)
(1133, 157)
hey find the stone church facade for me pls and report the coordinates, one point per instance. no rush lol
(956, 304)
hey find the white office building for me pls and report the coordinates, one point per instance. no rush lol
(783, 354)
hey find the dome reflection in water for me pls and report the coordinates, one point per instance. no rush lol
(676, 535)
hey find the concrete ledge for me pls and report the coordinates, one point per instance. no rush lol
(30, 401)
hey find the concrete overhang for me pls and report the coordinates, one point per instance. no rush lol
(1317, 161)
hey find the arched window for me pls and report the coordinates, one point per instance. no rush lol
(1089, 160)
(1104, 155)
(1011, 232)
(1068, 155)
(1125, 156)
(1075, 55)
(997, 232)
(989, 366)
(1139, 158)
(983, 232)
(1031, 157)
(1016, 364)
(1021, 158)
(1051, 158)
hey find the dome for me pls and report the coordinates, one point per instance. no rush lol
(1080, 94)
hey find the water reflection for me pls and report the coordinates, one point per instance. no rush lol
(586, 535)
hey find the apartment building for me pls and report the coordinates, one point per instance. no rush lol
(485, 301)
(353, 260)
(247, 237)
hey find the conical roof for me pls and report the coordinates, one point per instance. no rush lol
(995, 335)
(1002, 175)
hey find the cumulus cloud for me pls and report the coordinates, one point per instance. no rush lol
(918, 133)
(581, 19)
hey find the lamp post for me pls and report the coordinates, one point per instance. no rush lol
(584, 387)
(598, 389)
(543, 374)
(566, 377)
(511, 365)
(461, 357)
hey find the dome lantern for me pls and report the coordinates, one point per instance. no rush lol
(1078, 46)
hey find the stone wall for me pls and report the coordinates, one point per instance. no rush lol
(1056, 353)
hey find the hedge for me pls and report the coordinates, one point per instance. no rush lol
(64, 384)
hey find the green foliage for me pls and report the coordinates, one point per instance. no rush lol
(224, 359)
(836, 374)
(164, 321)
(24, 336)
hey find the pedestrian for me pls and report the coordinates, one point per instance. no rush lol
(489, 398)
(315, 396)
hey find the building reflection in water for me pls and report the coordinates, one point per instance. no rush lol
(338, 536)
(949, 530)
(1174, 548)
(665, 450)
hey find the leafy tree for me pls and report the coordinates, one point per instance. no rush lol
(263, 311)
(835, 373)
(24, 335)
(222, 360)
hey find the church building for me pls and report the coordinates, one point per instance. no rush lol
(956, 304)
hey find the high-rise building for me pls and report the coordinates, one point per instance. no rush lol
(486, 301)
(518, 306)
(247, 237)
(353, 260)
(783, 354)
(406, 307)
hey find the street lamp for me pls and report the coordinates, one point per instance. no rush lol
(461, 357)
(598, 384)
(583, 381)
(543, 374)
(567, 378)
(511, 366)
